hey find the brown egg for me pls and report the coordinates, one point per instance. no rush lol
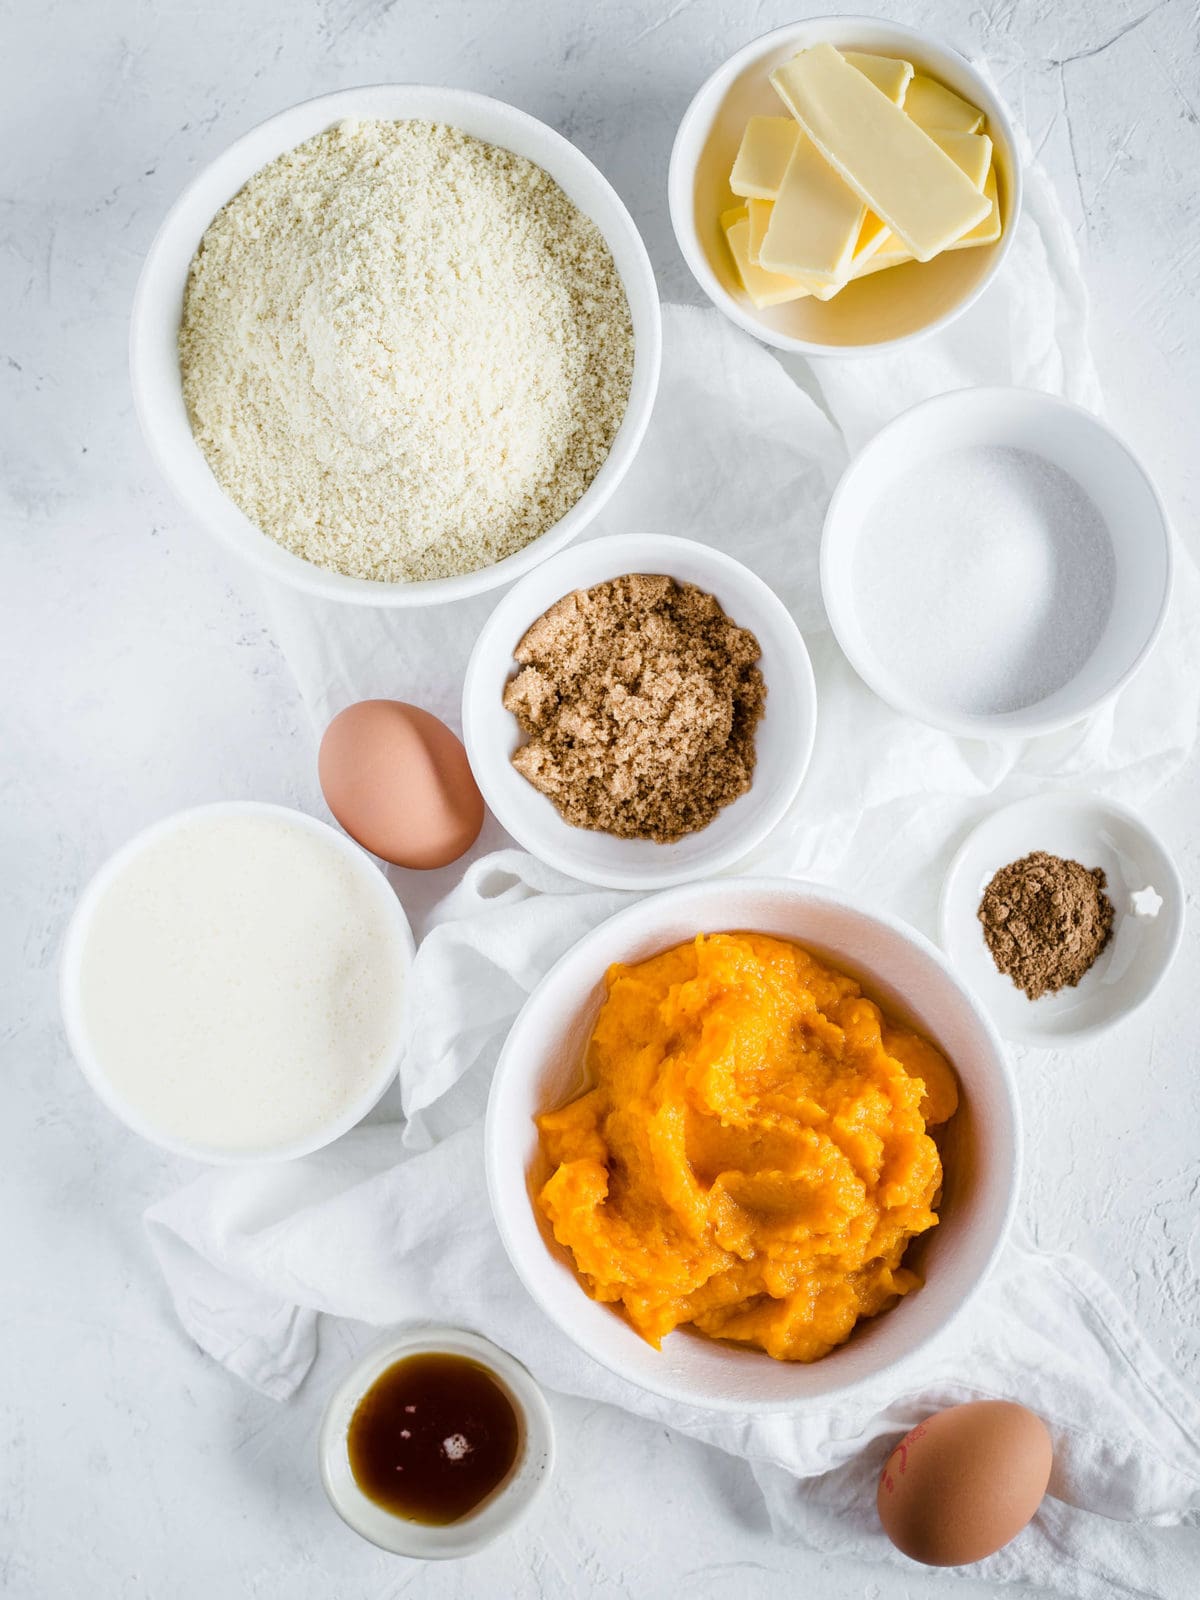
(964, 1482)
(397, 780)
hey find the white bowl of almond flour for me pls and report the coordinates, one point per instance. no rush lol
(396, 345)
(996, 563)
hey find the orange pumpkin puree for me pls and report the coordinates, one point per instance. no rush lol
(751, 1157)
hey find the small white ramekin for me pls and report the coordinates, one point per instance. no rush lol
(158, 304)
(541, 1066)
(886, 309)
(784, 738)
(1082, 446)
(507, 1504)
(1145, 938)
(75, 942)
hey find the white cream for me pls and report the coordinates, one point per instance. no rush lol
(240, 982)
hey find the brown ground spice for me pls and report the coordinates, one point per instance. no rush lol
(640, 699)
(1045, 921)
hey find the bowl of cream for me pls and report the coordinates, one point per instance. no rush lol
(232, 983)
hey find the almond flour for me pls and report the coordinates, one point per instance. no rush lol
(405, 353)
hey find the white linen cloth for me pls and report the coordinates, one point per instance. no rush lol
(392, 1223)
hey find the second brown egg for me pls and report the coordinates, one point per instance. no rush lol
(964, 1482)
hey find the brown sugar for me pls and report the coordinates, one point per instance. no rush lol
(640, 700)
(1046, 920)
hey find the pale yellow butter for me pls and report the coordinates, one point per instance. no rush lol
(764, 288)
(989, 230)
(967, 150)
(889, 76)
(888, 252)
(759, 216)
(970, 152)
(931, 105)
(891, 164)
(815, 220)
(762, 157)
(871, 235)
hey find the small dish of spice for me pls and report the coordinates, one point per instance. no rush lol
(1064, 913)
(640, 711)
(435, 1443)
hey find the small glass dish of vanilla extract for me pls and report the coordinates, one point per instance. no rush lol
(435, 1443)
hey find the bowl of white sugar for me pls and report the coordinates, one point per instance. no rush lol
(232, 983)
(996, 563)
(396, 345)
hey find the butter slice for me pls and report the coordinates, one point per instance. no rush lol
(890, 163)
(764, 288)
(762, 157)
(967, 151)
(931, 105)
(888, 252)
(871, 236)
(890, 77)
(759, 216)
(815, 220)
(989, 230)
(970, 152)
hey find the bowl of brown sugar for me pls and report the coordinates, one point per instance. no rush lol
(640, 711)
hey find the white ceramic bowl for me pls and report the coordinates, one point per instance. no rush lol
(1104, 467)
(542, 1065)
(158, 304)
(1096, 833)
(506, 1505)
(885, 309)
(784, 738)
(391, 914)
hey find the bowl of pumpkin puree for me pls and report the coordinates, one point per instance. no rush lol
(750, 1143)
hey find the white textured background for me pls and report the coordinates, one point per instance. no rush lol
(138, 677)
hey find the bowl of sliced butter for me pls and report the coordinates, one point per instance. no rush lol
(843, 185)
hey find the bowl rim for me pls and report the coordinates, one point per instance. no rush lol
(1067, 800)
(1013, 725)
(679, 192)
(644, 553)
(502, 1510)
(71, 1009)
(236, 531)
(628, 918)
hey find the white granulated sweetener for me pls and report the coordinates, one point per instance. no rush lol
(405, 353)
(984, 579)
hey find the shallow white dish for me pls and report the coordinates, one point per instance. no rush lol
(154, 362)
(509, 1501)
(71, 963)
(1096, 833)
(784, 737)
(884, 310)
(541, 1066)
(1082, 446)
